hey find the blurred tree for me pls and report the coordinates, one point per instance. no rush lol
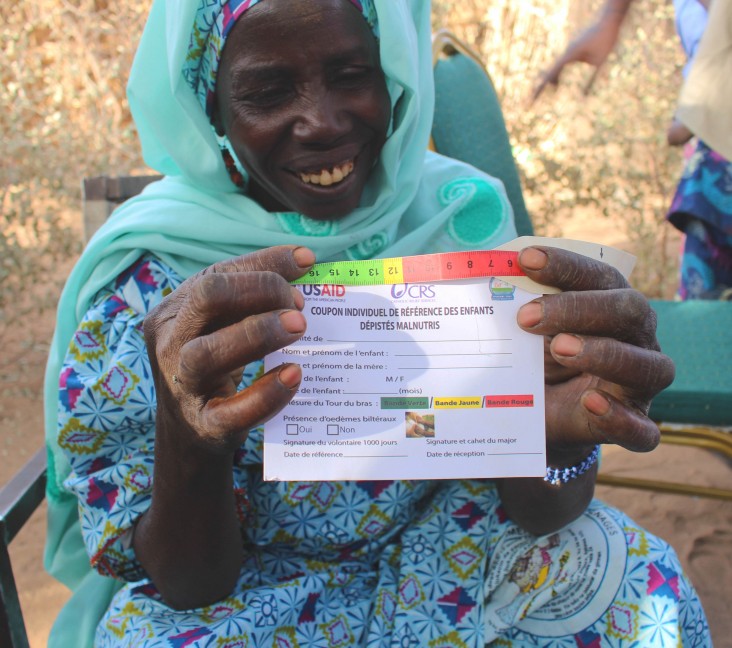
(603, 155)
(63, 115)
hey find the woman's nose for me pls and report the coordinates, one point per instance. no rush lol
(321, 121)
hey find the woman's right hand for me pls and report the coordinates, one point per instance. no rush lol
(199, 339)
(201, 336)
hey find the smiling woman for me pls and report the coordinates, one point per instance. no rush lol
(288, 130)
(309, 125)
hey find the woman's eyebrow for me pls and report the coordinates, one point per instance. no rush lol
(246, 75)
(358, 52)
(267, 71)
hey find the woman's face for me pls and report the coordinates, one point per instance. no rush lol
(301, 96)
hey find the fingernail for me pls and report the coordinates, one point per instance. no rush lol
(530, 314)
(304, 257)
(533, 259)
(567, 345)
(289, 376)
(298, 299)
(596, 404)
(292, 321)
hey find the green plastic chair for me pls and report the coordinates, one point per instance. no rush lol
(696, 409)
(468, 123)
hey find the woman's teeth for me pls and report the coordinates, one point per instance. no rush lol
(328, 177)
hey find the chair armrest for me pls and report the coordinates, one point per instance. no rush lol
(21, 496)
(697, 335)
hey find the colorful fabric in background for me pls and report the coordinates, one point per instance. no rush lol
(702, 209)
(213, 22)
(418, 564)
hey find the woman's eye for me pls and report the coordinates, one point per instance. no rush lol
(352, 74)
(265, 96)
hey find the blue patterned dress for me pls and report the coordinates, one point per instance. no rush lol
(702, 209)
(432, 564)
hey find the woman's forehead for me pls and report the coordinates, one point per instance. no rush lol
(216, 20)
(306, 12)
(322, 28)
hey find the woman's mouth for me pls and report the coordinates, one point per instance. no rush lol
(328, 177)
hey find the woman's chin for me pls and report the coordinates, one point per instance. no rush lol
(328, 203)
(328, 213)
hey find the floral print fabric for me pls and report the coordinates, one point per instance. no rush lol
(702, 209)
(336, 564)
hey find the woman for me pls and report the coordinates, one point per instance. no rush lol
(702, 205)
(306, 124)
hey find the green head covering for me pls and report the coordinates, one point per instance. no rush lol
(415, 202)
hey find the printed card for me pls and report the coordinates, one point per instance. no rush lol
(411, 381)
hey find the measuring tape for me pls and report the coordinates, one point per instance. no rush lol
(416, 269)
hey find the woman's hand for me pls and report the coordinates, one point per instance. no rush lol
(603, 364)
(199, 339)
(202, 335)
(602, 368)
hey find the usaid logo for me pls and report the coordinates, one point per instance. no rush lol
(413, 291)
(323, 290)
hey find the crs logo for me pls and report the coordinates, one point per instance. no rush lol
(413, 291)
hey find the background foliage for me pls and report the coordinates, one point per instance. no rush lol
(63, 115)
(587, 157)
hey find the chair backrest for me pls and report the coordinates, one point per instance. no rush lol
(469, 124)
(102, 194)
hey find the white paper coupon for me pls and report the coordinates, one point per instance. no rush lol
(415, 381)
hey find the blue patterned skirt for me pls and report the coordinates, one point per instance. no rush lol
(702, 209)
(460, 575)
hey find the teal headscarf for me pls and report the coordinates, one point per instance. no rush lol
(415, 202)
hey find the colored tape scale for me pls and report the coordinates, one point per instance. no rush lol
(423, 268)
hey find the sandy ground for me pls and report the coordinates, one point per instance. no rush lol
(699, 529)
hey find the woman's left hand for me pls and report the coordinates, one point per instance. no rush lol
(603, 363)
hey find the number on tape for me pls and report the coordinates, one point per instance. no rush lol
(416, 269)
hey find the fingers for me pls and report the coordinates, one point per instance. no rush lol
(568, 270)
(206, 362)
(214, 324)
(608, 398)
(642, 373)
(289, 261)
(600, 417)
(591, 81)
(218, 300)
(221, 418)
(603, 360)
(623, 314)
(548, 78)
